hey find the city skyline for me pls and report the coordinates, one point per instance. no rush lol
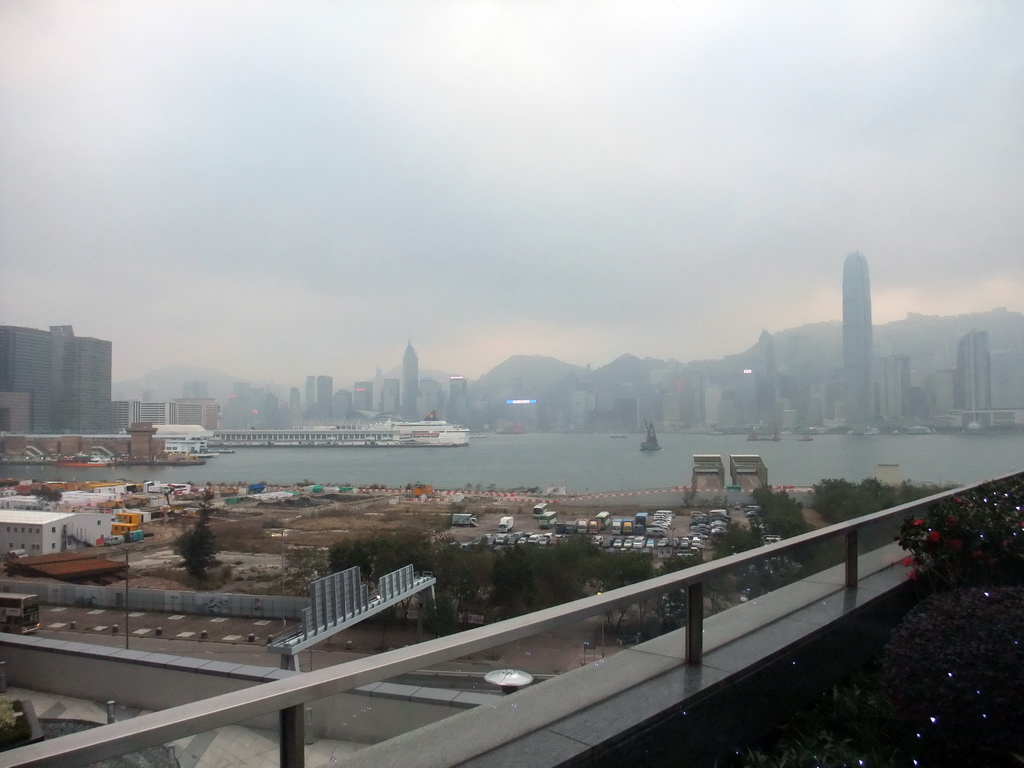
(298, 192)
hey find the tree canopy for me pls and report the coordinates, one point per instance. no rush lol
(198, 545)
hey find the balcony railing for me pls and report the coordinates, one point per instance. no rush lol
(855, 546)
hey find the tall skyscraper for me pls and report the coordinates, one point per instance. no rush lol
(294, 407)
(390, 389)
(362, 396)
(324, 398)
(972, 387)
(766, 380)
(67, 378)
(430, 399)
(310, 404)
(410, 382)
(26, 364)
(458, 400)
(895, 388)
(1007, 378)
(857, 342)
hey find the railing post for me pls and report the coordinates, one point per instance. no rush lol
(293, 749)
(695, 623)
(851, 558)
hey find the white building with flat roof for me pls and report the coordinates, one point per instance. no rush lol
(32, 532)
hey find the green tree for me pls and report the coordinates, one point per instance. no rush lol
(198, 545)
(840, 500)
(514, 589)
(737, 538)
(442, 617)
(781, 512)
(464, 575)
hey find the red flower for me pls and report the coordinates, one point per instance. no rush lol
(907, 561)
(934, 536)
(951, 520)
(956, 543)
(919, 522)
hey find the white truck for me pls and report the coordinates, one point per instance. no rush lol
(505, 524)
(463, 519)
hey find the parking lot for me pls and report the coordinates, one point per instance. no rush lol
(662, 533)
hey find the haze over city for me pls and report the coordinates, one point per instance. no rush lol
(273, 189)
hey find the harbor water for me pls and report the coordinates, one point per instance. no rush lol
(588, 462)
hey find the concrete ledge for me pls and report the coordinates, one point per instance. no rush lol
(646, 706)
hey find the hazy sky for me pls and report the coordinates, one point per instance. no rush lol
(277, 189)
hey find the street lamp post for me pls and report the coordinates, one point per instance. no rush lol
(284, 621)
(126, 600)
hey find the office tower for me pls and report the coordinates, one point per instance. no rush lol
(430, 399)
(294, 407)
(342, 404)
(238, 408)
(857, 341)
(410, 382)
(895, 388)
(309, 404)
(80, 400)
(389, 391)
(1007, 368)
(203, 411)
(324, 398)
(124, 413)
(972, 387)
(458, 400)
(362, 396)
(194, 390)
(26, 361)
(766, 379)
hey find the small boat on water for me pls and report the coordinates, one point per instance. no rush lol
(614, 436)
(85, 461)
(651, 443)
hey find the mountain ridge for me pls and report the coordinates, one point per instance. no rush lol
(929, 340)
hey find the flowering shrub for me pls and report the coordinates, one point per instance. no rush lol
(8, 717)
(954, 669)
(976, 537)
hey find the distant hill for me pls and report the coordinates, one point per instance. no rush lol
(527, 375)
(166, 383)
(815, 349)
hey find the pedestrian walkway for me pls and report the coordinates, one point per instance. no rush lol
(233, 745)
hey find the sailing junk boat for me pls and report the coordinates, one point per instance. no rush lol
(651, 443)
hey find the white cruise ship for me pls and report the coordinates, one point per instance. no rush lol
(387, 434)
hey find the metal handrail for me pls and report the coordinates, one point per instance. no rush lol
(288, 696)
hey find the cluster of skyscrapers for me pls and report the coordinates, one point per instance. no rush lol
(53, 381)
(411, 398)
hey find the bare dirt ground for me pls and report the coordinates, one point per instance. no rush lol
(251, 546)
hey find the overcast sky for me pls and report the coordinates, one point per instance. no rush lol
(277, 189)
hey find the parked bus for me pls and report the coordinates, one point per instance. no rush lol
(547, 520)
(604, 519)
(19, 613)
(541, 509)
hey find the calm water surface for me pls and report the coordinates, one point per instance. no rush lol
(590, 462)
